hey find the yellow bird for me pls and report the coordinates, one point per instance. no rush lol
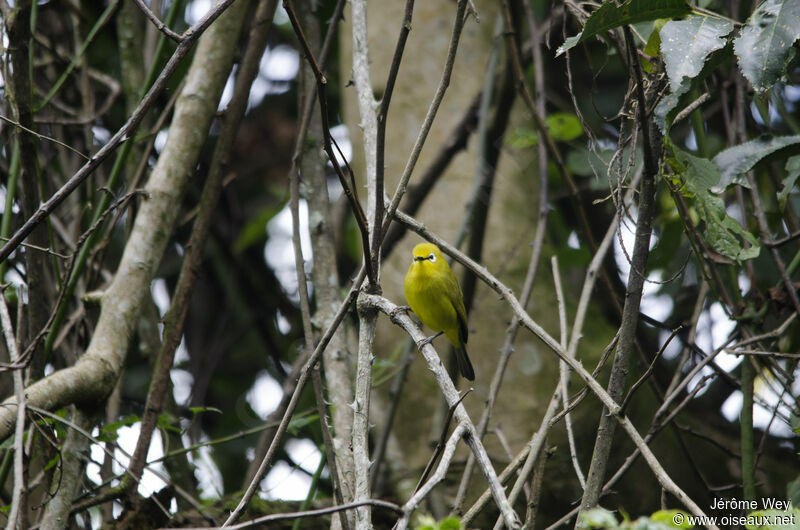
(433, 293)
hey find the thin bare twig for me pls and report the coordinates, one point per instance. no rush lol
(613, 408)
(633, 290)
(649, 370)
(407, 357)
(521, 457)
(160, 26)
(380, 135)
(19, 432)
(451, 395)
(309, 513)
(190, 37)
(536, 444)
(563, 370)
(175, 318)
(348, 185)
(433, 108)
(43, 136)
(459, 432)
(437, 452)
(305, 373)
(40, 249)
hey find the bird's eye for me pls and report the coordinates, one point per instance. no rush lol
(432, 257)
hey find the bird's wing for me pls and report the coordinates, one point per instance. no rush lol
(457, 299)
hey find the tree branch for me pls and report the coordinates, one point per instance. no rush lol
(613, 407)
(126, 131)
(95, 374)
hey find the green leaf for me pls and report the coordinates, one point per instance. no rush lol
(53, 461)
(198, 410)
(610, 16)
(792, 172)
(668, 517)
(764, 46)
(685, 45)
(700, 173)
(723, 233)
(597, 518)
(739, 159)
(109, 431)
(168, 422)
(669, 105)
(297, 423)
(450, 523)
(563, 126)
(653, 44)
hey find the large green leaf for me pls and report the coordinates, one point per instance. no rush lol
(723, 233)
(737, 160)
(685, 45)
(610, 16)
(765, 44)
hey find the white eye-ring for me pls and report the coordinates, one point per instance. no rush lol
(432, 257)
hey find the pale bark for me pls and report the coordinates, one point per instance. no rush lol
(95, 374)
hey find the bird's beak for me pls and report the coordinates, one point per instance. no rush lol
(420, 258)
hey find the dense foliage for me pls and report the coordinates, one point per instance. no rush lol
(181, 355)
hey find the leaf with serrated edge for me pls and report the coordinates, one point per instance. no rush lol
(720, 230)
(739, 159)
(685, 45)
(765, 44)
(610, 15)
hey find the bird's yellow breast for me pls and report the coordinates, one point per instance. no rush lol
(431, 288)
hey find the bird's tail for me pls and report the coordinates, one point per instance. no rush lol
(464, 366)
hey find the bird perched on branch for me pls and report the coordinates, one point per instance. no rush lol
(433, 293)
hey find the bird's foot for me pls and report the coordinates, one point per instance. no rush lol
(428, 340)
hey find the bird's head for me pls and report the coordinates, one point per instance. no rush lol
(427, 254)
